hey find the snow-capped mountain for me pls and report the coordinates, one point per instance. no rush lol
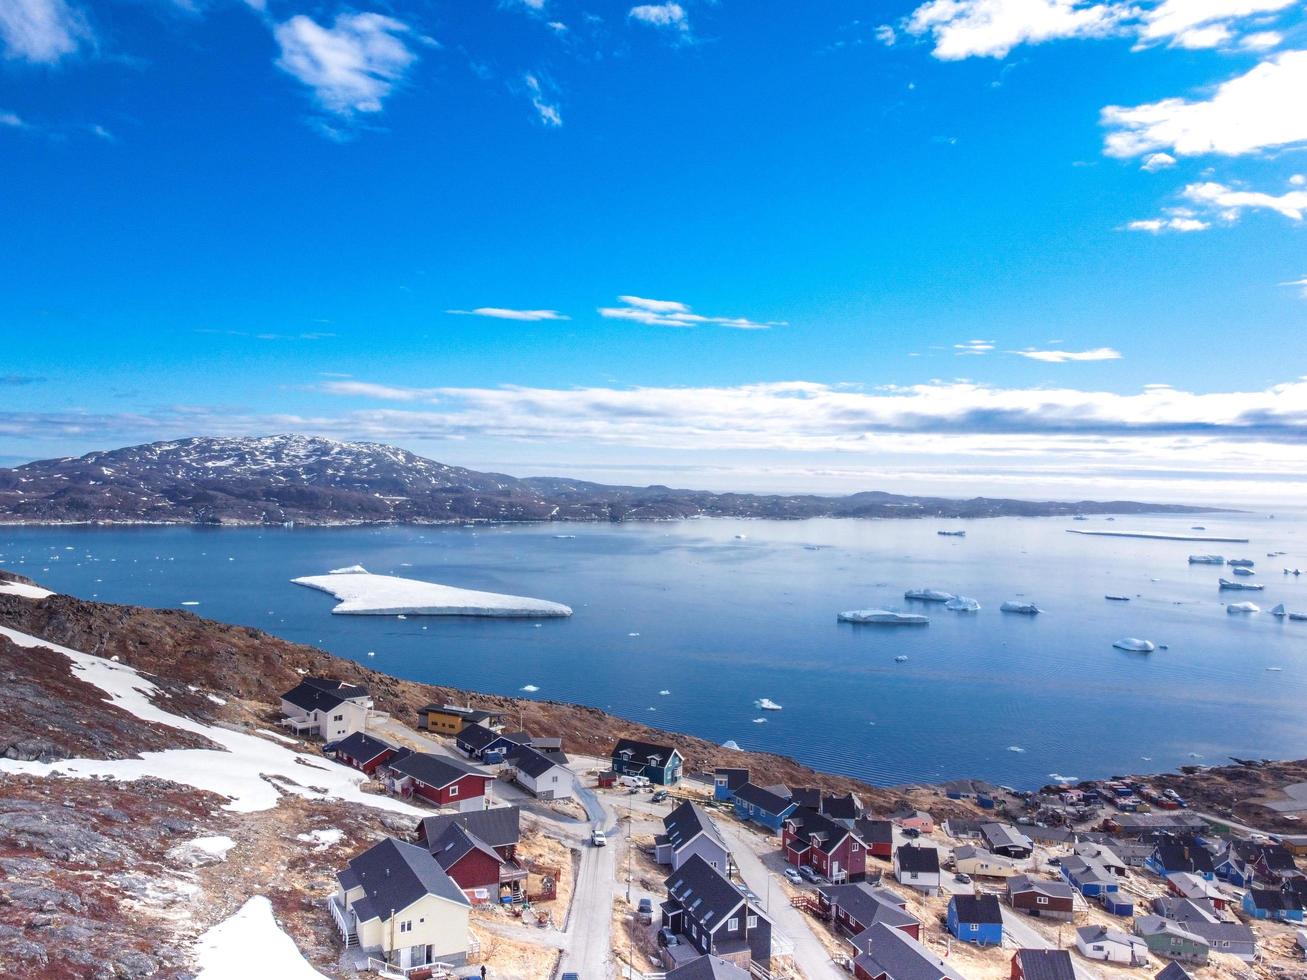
(307, 479)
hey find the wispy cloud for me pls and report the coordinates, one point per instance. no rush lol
(12, 120)
(1157, 161)
(546, 111)
(351, 66)
(973, 348)
(992, 28)
(670, 313)
(42, 32)
(1175, 222)
(19, 380)
(1232, 202)
(1201, 23)
(668, 16)
(368, 389)
(1299, 284)
(501, 313)
(1069, 356)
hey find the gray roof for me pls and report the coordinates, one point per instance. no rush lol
(322, 693)
(1088, 870)
(1185, 909)
(477, 737)
(978, 908)
(528, 760)
(919, 859)
(868, 904)
(1235, 933)
(1003, 835)
(456, 843)
(362, 747)
(1046, 964)
(708, 968)
(687, 822)
(1155, 925)
(1102, 934)
(1053, 889)
(644, 752)
(705, 893)
(765, 800)
(1172, 971)
(434, 770)
(899, 957)
(735, 777)
(394, 875)
(498, 827)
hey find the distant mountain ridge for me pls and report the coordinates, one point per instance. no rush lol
(313, 480)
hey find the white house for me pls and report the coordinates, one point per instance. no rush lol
(328, 708)
(540, 775)
(1111, 946)
(917, 867)
(397, 904)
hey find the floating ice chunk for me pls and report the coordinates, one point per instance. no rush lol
(731, 744)
(1227, 585)
(961, 603)
(1059, 778)
(664, 693)
(1206, 559)
(1025, 608)
(1015, 748)
(632, 634)
(1243, 607)
(190, 602)
(883, 617)
(362, 593)
(900, 659)
(760, 721)
(564, 537)
(1135, 645)
(530, 688)
(1275, 669)
(1279, 610)
(928, 595)
(767, 704)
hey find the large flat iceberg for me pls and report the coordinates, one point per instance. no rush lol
(883, 617)
(363, 594)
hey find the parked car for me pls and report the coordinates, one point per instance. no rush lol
(659, 796)
(809, 875)
(597, 838)
(911, 833)
(962, 878)
(793, 875)
(645, 910)
(668, 938)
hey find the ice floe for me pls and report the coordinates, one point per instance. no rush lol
(1229, 586)
(364, 594)
(530, 688)
(1025, 608)
(767, 704)
(1135, 645)
(928, 595)
(883, 617)
(1243, 607)
(961, 603)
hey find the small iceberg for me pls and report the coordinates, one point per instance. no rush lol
(1241, 563)
(564, 537)
(347, 570)
(1275, 669)
(1227, 585)
(882, 617)
(1243, 607)
(1117, 598)
(401, 616)
(1206, 559)
(960, 603)
(190, 602)
(760, 721)
(766, 704)
(1298, 617)
(741, 537)
(952, 534)
(530, 688)
(1244, 570)
(664, 694)
(1135, 645)
(1015, 748)
(1279, 610)
(1024, 608)
(900, 659)
(731, 744)
(928, 595)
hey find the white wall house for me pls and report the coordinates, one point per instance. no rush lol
(1111, 946)
(541, 776)
(327, 708)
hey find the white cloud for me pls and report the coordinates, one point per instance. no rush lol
(668, 15)
(1232, 202)
(1261, 40)
(368, 389)
(501, 313)
(1157, 161)
(11, 119)
(1300, 284)
(1202, 21)
(546, 111)
(974, 348)
(1260, 109)
(1066, 356)
(351, 66)
(669, 313)
(992, 28)
(886, 35)
(41, 31)
(1179, 223)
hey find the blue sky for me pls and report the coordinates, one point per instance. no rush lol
(954, 246)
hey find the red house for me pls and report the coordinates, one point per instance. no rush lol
(363, 752)
(438, 780)
(856, 908)
(877, 836)
(825, 845)
(478, 850)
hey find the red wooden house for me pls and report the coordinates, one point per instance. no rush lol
(877, 836)
(438, 780)
(478, 850)
(364, 752)
(825, 845)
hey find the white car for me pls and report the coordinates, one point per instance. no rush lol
(597, 838)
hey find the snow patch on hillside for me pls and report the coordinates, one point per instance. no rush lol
(251, 944)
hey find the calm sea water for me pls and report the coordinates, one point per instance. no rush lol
(720, 621)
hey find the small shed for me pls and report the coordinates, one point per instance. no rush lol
(1117, 903)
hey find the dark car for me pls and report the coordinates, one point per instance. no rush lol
(659, 796)
(911, 833)
(645, 906)
(668, 938)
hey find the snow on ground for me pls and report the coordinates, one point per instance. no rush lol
(202, 850)
(322, 839)
(244, 769)
(278, 736)
(251, 944)
(364, 594)
(24, 590)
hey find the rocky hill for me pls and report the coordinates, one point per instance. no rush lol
(275, 479)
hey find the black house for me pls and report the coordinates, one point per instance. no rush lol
(715, 917)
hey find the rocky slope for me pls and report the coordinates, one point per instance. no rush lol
(283, 478)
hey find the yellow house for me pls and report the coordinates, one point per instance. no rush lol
(450, 719)
(397, 904)
(979, 863)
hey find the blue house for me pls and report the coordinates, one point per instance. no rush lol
(976, 919)
(1267, 903)
(1231, 867)
(1089, 877)
(726, 781)
(1172, 856)
(762, 806)
(660, 764)
(1117, 903)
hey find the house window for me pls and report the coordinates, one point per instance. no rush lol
(752, 922)
(855, 847)
(973, 926)
(406, 925)
(732, 925)
(1041, 900)
(337, 717)
(453, 790)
